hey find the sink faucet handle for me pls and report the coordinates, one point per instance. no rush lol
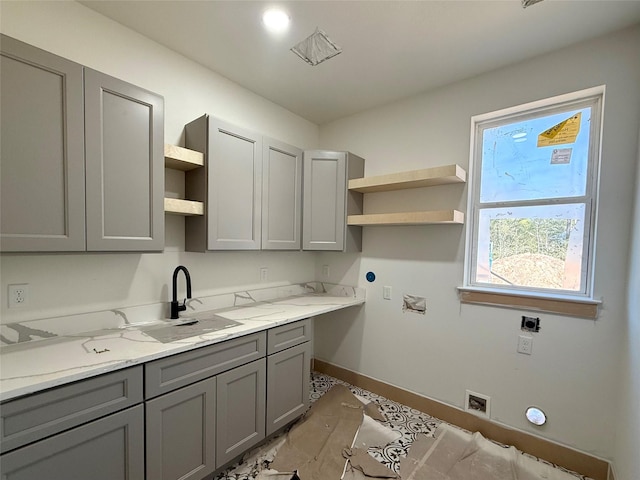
(175, 308)
(189, 301)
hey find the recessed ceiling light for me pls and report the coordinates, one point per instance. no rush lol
(276, 20)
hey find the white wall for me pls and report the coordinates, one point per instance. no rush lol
(64, 284)
(573, 372)
(626, 459)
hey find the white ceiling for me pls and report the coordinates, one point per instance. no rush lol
(391, 49)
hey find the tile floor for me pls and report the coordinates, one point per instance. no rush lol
(405, 420)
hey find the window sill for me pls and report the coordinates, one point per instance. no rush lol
(584, 308)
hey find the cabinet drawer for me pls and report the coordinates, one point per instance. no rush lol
(111, 448)
(289, 335)
(167, 374)
(31, 418)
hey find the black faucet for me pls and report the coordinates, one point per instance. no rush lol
(175, 306)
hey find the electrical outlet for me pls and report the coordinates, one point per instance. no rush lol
(264, 274)
(525, 344)
(325, 271)
(18, 295)
(386, 293)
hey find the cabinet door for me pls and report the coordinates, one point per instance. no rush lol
(124, 165)
(234, 187)
(325, 184)
(42, 151)
(240, 410)
(288, 377)
(281, 196)
(180, 428)
(111, 448)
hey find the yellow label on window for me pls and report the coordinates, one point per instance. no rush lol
(562, 133)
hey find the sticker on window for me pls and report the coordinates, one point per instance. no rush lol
(561, 156)
(562, 133)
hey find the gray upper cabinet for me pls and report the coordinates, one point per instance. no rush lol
(231, 185)
(251, 186)
(327, 201)
(281, 195)
(124, 165)
(61, 124)
(235, 183)
(42, 151)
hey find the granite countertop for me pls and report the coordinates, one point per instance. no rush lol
(50, 352)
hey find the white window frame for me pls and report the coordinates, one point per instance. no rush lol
(593, 97)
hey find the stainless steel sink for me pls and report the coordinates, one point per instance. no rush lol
(188, 327)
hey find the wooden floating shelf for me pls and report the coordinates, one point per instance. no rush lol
(177, 206)
(426, 177)
(408, 218)
(180, 158)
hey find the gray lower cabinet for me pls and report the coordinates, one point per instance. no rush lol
(93, 428)
(170, 373)
(202, 409)
(240, 410)
(327, 201)
(29, 419)
(288, 374)
(111, 448)
(201, 427)
(68, 131)
(180, 431)
(205, 407)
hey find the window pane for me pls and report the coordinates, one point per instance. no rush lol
(539, 158)
(539, 246)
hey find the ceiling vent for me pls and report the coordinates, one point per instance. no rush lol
(316, 48)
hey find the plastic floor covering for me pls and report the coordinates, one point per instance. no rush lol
(400, 418)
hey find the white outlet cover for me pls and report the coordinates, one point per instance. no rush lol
(525, 344)
(14, 292)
